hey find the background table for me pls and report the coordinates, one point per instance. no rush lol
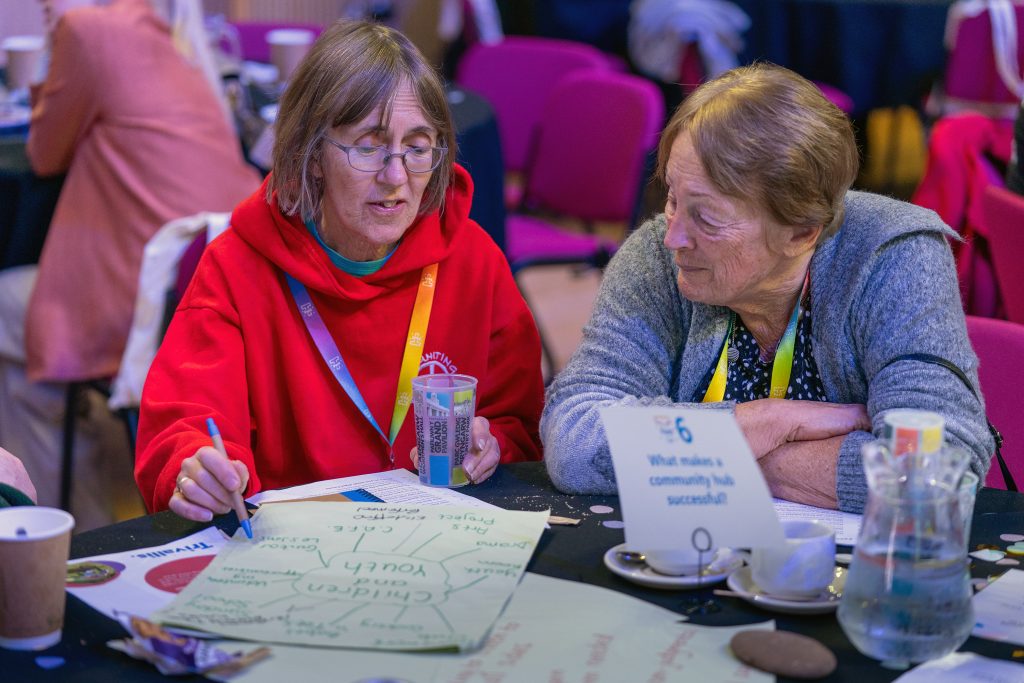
(26, 203)
(572, 553)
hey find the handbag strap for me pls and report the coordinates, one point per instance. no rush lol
(1011, 485)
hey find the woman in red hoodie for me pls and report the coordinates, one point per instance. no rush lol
(364, 214)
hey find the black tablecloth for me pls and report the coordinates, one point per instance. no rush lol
(476, 132)
(572, 553)
(26, 204)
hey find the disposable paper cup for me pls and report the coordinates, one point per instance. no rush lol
(444, 407)
(34, 544)
(287, 48)
(24, 55)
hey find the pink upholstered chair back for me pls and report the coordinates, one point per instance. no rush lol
(252, 36)
(971, 72)
(1000, 348)
(1003, 216)
(516, 76)
(596, 131)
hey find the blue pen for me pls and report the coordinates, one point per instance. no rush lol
(236, 496)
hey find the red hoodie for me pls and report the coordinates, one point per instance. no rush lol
(238, 351)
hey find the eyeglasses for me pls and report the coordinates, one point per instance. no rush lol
(372, 158)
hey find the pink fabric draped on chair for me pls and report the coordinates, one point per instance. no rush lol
(958, 171)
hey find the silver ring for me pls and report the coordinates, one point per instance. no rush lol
(179, 482)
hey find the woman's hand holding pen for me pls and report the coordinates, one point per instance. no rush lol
(206, 484)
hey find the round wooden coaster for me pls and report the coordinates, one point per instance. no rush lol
(783, 653)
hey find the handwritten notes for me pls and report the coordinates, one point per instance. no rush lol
(687, 476)
(999, 609)
(552, 630)
(357, 575)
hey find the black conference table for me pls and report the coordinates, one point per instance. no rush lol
(571, 553)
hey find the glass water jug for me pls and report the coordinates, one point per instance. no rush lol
(907, 597)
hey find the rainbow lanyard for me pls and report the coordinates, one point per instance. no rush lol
(782, 367)
(410, 359)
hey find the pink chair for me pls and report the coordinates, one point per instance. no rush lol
(516, 76)
(598, 129)
(972, 79)
(1000, 348)
(1003, 219)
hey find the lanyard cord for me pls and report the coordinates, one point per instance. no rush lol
(782, 366)
(411, 357)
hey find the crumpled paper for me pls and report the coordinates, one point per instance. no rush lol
(175, 655)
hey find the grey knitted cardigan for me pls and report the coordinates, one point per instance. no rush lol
(885, 285)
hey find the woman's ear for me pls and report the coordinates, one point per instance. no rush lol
(799, 239)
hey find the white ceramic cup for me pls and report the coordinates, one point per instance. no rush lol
(288, 46)
(800, 568)
(24, 57)
(678, 562)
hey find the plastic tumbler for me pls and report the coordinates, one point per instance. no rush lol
(444, 407)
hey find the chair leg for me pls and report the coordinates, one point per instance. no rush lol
(68, 451)
(130, 416)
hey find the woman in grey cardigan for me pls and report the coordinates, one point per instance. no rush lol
(769, 288)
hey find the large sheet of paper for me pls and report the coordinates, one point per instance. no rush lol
(687, 476)
(552, 630)
(845, 524)
(359, 575)
(143, 580)
(999, 609)
(391, 486)
(964, 667)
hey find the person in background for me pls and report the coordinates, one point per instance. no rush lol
(128, 113)
(354, 268)
(15, 485)
(769, 288)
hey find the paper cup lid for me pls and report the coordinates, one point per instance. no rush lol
(32, 523)
(23, 43)
(290, 36)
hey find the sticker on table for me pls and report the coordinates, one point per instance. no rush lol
(82, 574)
(173, 576)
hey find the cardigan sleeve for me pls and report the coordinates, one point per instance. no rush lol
(68, 101)
(907, 304)
(629, 355)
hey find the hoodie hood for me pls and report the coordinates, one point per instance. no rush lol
(286, 243)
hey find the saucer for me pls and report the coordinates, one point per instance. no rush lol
(724, 562)
(741, 582)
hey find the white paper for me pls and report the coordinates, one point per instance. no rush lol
(999, 609)
(147, 579)
(687, 476)
(845, 524)
(392, 486)
(965, 667)
(363, 575)
(551, 630)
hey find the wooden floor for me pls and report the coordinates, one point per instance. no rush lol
(561, 298)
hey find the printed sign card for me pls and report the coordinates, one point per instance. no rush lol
(687, 476)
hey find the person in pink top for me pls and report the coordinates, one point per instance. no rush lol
(143, 139)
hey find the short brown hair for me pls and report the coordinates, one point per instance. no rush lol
(353, 68)
(766, 134)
